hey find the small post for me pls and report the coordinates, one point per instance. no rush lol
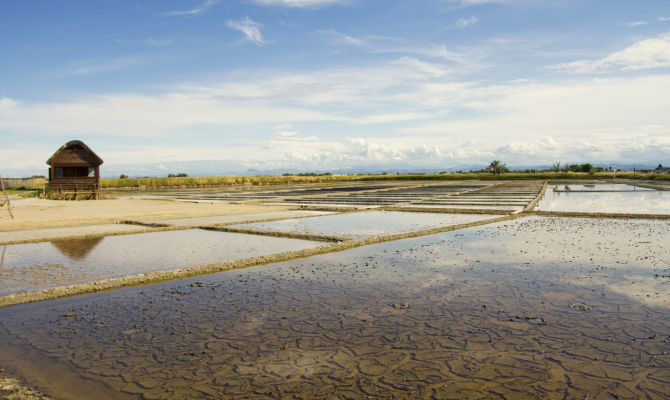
(6, 198)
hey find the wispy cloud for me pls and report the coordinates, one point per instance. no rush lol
(342, 38)
(469, 3)
(201, 8)
(636, 23)
(465, 22)
(645, 54)
(432, 51)
(86, 67)
(250, 29)
(158, 42)
(663, 19)
(300, 3)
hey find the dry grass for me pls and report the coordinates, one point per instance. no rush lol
(215, 181)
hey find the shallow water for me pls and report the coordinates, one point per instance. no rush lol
(597, 186)
(537, 307)
(633, 202)
(367, 224)
(36, 266)
(466, 206)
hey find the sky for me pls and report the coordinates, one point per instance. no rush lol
(322, 85)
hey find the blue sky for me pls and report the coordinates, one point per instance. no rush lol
(326, 84)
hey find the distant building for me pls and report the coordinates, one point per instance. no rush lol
(662, 169)
(74, 172)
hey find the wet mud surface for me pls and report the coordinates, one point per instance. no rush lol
(36, 266)
(367, 224)
(530, 308)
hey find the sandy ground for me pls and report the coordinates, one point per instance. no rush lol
(12, 389)
(40, 213)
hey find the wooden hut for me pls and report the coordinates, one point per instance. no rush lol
(74, 172)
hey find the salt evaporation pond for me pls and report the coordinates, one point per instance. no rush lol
(367, 224)
(532, 308)
(36, 266)
(629, 202)
(597, 187)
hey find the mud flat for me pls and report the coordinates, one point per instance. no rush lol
(39, 213)
(526, 308)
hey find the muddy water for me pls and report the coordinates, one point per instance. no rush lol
(539, 307)
(36, 266)
(367, 224)
(639, 201)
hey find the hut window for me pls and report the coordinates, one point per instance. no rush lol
(75, 172)
(91, 172)
(58, 172)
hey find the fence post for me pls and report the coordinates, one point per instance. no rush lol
(6, 198)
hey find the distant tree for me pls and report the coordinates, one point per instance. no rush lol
(123, 176)
(497, 167)
(556, 166)
(586, 168)
(179, 175)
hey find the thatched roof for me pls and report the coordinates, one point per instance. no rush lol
(75, 153)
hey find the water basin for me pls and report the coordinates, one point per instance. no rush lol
(367, 224)
(36, 266)
(633, 202)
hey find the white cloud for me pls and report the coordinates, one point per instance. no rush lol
(465, 22)
(201, 8)
(250, 29)
(406, 110)
(636, 23)
(645, 54)
(342, 38)
(432, 51)
(300, 3)
(663, 19)
(287, 134)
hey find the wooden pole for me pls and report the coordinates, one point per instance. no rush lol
(9, 205)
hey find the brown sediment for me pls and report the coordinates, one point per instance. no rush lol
(162, 276)
(40, 213)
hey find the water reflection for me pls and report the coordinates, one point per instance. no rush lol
(367, 224)
(635, 202)
(597, 187)
(36, 266)
(76, 249)
(510, 310)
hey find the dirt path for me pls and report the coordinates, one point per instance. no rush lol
(40, 213)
